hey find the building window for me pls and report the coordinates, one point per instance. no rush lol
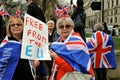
(89, 23)
(115, 12)
(111, 20)
(115, 19)
(107, 13)
(108, 5)
(107, 20)
(111, 12)
(117, 2)
(112, 3)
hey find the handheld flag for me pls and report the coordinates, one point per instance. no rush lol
(4, 13)
(61, 11)
(18, 12)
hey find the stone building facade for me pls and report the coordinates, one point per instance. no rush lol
(110, 13)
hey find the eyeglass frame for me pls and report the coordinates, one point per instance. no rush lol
(15, 24)
(64, 26)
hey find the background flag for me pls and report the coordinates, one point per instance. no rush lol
(101, 48)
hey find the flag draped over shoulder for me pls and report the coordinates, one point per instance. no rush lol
(9, 56)
(101, 48)
(75, 52)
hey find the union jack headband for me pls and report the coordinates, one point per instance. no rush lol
(61, 11)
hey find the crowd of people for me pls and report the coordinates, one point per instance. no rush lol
(68, 48)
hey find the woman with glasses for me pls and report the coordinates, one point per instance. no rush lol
(69, 52)
(12, 67)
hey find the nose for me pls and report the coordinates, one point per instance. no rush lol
(16, 25)
(64, 27)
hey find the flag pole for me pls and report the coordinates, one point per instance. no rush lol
(34, 73)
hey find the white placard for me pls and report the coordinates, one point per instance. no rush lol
(35, 39)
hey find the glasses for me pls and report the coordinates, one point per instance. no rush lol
(17, 24)
(65, 27)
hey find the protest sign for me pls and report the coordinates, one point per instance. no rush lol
(35, 39)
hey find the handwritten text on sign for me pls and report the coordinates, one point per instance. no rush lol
(35, 39)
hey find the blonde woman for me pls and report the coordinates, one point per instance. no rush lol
(15, 68)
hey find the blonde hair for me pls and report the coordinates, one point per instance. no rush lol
(8, 32)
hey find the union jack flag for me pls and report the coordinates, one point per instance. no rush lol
(101, 48)
(59, 11)
(3, 13)
(9, 57)
(18, 12)
(75, 52)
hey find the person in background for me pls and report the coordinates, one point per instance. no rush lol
(35, 11)
(106, 28)
(15, 67)
(52, 33)
(79, 11)
(66, 49)
(2, 29)
(52, 36)
(101, 49)
(115, 31)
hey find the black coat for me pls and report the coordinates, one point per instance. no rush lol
(35, 11)
(2, 29)
(22, 71)
(81, 29)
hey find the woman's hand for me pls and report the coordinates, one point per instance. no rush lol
(52, 54)
(50, 43)
(36, 63)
